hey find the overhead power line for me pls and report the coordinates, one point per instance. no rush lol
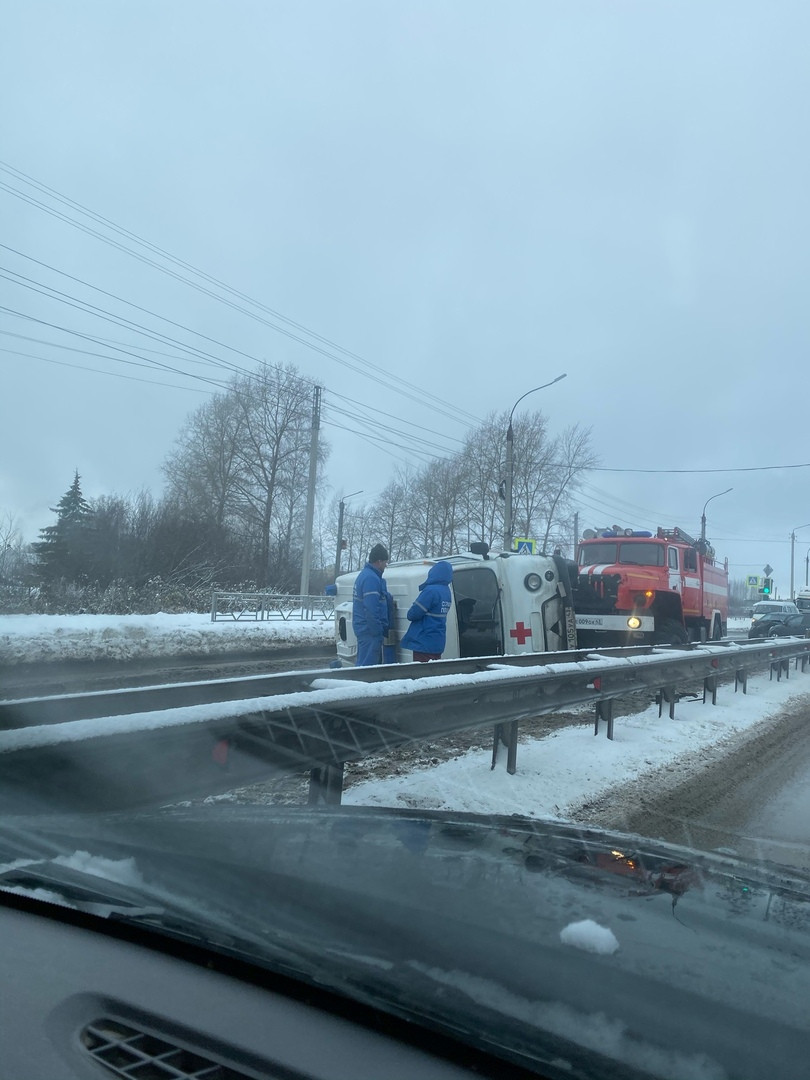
(401, 386)
(209, 358)
(73, 301)
(694, 472)
(101, 371)
(145, 360)
(136, 360)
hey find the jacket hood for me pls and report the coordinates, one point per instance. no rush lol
(441, 573)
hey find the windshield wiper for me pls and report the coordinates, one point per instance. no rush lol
(77, 888)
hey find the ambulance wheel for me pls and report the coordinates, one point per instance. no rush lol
(670, 632)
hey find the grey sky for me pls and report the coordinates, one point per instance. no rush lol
(474, 197)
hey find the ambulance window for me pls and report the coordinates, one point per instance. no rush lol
(690, 559)
(478, 610)
(673, 558)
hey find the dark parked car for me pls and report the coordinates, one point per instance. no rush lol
(780, 624)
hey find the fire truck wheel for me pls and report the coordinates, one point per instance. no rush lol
(670, 632)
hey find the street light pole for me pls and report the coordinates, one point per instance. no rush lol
(341, 508)
(510, 465)
(792, 548)
(807, 569)
(306, 557)
(703, 515)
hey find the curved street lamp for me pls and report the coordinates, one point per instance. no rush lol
(703, 515)
(703, 538)
(341, 508)
(510, 465)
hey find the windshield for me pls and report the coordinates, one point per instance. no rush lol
(635, 554)
(386, 515)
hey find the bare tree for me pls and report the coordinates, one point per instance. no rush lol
(203, 469)
(483, 470)
(274, 416)
(571, 456)
(240, 465)
(449, 504)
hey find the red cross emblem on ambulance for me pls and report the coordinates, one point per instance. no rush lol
(520, 633)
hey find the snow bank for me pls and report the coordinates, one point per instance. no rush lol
(48, 638)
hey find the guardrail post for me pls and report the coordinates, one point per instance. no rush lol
(779, 666)
(741, 679)
(604, 711)
(213, 606)
(667, 693)
(710, 687)
(508, 735)
(326, 785)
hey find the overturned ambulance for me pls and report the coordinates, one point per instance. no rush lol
(503, 604)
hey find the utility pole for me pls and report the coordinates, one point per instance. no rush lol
(576, 534)
(792, 551)
(507, 511)
(306, 557)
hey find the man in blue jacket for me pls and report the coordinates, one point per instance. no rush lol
(427, 634)
(371, 607)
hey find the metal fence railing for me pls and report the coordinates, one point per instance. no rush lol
(263, 606)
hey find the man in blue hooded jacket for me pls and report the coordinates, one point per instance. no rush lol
(371, 608)
(427, 634)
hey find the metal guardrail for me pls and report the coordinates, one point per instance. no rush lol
(145, 746)
(263, 606)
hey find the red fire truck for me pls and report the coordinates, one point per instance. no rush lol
(648, 588)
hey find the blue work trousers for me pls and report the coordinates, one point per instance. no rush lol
(369, 651)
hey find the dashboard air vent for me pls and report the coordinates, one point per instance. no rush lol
(138, 1055)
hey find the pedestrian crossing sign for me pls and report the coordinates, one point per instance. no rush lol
(523, 546)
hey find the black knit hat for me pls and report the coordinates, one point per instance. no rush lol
(378, 554)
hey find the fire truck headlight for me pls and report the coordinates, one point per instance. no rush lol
(634, 622)
(532, 582)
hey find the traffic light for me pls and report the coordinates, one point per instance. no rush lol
(767, 586)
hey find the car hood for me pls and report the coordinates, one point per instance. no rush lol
(534, 939)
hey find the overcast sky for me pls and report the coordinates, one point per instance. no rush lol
(470, 197)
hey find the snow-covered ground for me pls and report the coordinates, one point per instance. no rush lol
(559, 772)
(555, 773)
(48, 638)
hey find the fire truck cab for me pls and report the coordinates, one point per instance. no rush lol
(638, 587)
(502, 605)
